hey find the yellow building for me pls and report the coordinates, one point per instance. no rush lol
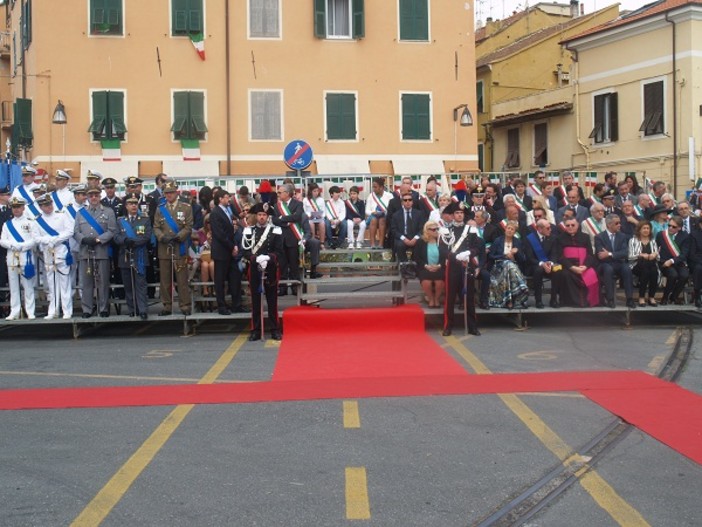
(531, 63)
(373, 87)
(638, 98)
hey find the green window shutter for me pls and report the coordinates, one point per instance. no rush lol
(195, 13)
(197, 115)
(614, 117)
(341, 116)
(358, 25)
(415, 117)
(106, 17)
(97, 126)
(26, 24)
(180, 115)
(97, 13)
(320, 18)
(180, 16)
(414, 20)
(115, 109)
(22, 127)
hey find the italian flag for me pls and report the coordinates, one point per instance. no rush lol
(111, 150)
(191, 149)
(590, 179)
(198, 41)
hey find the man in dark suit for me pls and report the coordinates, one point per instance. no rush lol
(541, 253)
(407, 226)
(226, 253)
(673, 248)
(612, 251)
(5, 215)
(287, 214)
(581, 213)
(689, 222)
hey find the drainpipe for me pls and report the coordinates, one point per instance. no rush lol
(675, 112)
(576, 81)
(227, 83)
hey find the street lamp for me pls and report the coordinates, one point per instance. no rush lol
(59, 114)
(466, 117)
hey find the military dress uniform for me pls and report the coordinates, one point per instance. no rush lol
(172, 252)
(263, 243)
(20, 261)
(94, 255)
(133, 236)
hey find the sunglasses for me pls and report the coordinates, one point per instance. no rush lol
(407, 199)
(433, 229)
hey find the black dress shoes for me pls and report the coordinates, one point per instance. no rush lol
(224, 311)
(631, 304)
(104, 314)
(254, 336)
(315, 274)
(474, 331)
(610, 304)
(143, 316)
(164, 313)
(539, 305)
(275, 335)
(446, 332)
(554, 305)
(241, 310)
(131, 314)
(87, 315)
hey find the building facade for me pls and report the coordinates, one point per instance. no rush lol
(214, 88)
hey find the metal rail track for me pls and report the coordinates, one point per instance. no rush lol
(528, 503)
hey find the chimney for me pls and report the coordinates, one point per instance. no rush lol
(574, 8)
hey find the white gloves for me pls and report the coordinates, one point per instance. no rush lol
(463, 256)
(262, 261)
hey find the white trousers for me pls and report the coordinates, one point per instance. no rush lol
(60, 291)
(361, 231)
(16, 279)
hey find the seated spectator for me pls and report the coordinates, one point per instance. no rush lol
(542, 254)
(522, 199)
(407, 226)
(694, 261)
(430, 257)
(506, 259)
(355, 218)
(643, 259)
(595, 224)
(579, 286)
(376, 212)
(438, 215)
(194, 253)
(335, 218)
(658, 216)
(674, 247)
(545, 213)
(612, 251)
(629, 218)
(313, 206)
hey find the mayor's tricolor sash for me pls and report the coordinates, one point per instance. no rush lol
(53, 233)
(352, 207)
(284, 210)
(670, 244)
(536, 190)
(171, 225)
(564, 197)
(429, 203)
(503, 225)
(520, 203)
(592, 227)
(379, 205)
(331, 210)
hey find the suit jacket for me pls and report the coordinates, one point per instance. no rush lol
(285, 221)
(693, 223)
(620, 249)
(183, 216)
(419, 254)
(694, 257)
(417, 220)
(497, 252)
(581, 213)
(549, 246)
(682, 240)
(223, 234)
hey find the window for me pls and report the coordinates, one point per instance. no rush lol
(416, 122)
(189, 115)
(479, 96)
(186, 17)
(606, 128)
(341, 116)
(106, 17)
(512, 160)
(26, 24)
(339, 19)
(414, 20)
(264, 18)
(266, 122)
(653, 123)
(22, 134)
(481, 157)
(108, 115)
(540, 145)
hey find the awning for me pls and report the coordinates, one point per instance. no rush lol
(418, 165)
(332, 165)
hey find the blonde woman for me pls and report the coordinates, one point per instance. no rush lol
(430, 257)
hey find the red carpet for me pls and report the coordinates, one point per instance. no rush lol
(359, 360)
(359, 343)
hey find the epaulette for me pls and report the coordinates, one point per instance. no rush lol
(277, 230)
(247, 231)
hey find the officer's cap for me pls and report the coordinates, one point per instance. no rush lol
(133, 181)
(109, 182)
(132, 197)
(170, 187)
(80, 189)
(17, 202)
(62, 174)
(94, 174)
(28, 170)
(260, 207)
(94, 191)
(44, 200)
(454, 206)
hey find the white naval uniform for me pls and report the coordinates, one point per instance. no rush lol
(18, 254)
(58, 274)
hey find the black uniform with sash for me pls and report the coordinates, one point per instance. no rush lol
(258, 241)
(457, 280)
(133, 238)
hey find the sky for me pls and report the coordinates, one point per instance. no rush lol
(501, 9)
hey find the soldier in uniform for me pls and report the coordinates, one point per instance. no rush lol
(54, 230)
(5, 215)
(62, 196)
(132, 238)
(93, 179)
(173, 224)
(117, 205)
(19, 239)
(24, 191)
(134, 186)
(263, 250)
(466, 252)
(94, 229)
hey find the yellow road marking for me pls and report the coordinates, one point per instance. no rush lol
(673, 337)
(601, 491)
(357, 505)
(270, 343)
(101, 505)
(655, 363)
(116, 377)
(352, 419)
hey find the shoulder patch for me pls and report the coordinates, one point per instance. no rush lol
(277, 230)
(247, 231)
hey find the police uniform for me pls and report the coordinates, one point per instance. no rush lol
(54, 230)
(95, 226)
(5, 215)
(263, 243)
(132, 238)
(173, 250)
(19, 238)
(461, 268)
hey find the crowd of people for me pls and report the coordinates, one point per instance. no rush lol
(475, 239)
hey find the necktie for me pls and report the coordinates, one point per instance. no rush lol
(686, 225)
(407, 220)
(611, 239)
